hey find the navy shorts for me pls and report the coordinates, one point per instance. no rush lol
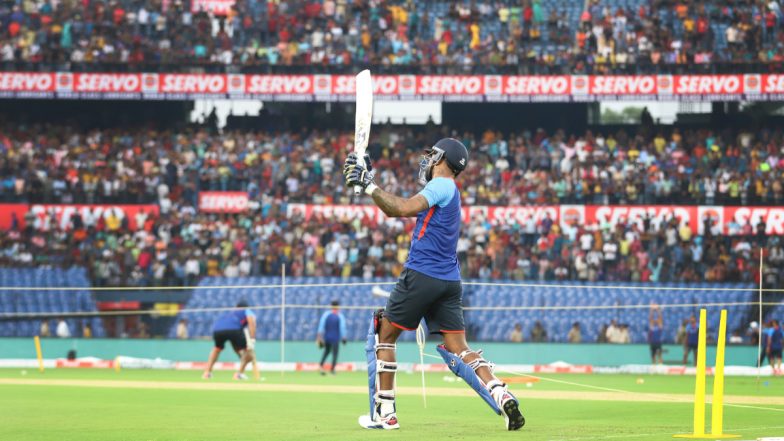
(655, 349)
(775, 353)
(236, 337)
(417, 295)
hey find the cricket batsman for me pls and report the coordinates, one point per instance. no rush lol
(428, 287)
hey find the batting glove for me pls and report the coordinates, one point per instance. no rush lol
(358, 175)
(351, 160)
(252, 344)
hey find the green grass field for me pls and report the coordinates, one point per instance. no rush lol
(93, 404)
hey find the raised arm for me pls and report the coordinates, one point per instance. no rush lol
(395, 206)
(391, 205)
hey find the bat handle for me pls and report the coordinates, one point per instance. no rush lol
(361, 163)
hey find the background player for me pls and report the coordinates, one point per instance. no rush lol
(690, 344)
(331, 330)
(239, 328)
(428, 287)
(763, 333)
(774, 346)
(655, 330)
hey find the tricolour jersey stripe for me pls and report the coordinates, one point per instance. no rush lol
(424, 222)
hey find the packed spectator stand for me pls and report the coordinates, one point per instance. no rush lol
(509, 36)
(51, 164)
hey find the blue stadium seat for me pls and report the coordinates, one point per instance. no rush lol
(50, 301)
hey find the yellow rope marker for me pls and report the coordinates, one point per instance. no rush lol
(117, 364)
(38, 353)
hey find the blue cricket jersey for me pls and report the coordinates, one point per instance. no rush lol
(764, 335)
(434, 242)
(692, 335)
(655, 335)
(233, 320)
(776, 338)
(332, 327)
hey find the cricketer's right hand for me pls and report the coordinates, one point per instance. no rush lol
(357, 175)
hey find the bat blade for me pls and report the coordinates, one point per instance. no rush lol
(256, 373)
(378, 292)
(363, 118)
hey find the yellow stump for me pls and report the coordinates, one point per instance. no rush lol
(718, 384)
(38, 353)
(117, 366)
(717, 406)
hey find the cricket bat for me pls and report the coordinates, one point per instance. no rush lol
(378, 292)
(363, 118)
(252, 354)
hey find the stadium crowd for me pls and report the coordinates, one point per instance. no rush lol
(516, 34)
(181, 244)
(662, 32)
(59, 164)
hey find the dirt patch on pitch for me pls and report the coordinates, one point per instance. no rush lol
(432, 391)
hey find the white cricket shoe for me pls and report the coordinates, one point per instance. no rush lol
(388, 422)
(513, 419)
(508, 404)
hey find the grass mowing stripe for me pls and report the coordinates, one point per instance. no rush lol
(218, 410)
(584, 438)
(407, 390)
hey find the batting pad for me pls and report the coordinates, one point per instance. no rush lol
(466, 372)
(370, 351)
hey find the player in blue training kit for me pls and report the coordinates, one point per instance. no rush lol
(239, 328)
(774, 346)
(692, 340)
(655, 330)
(428, 287)
(331, 330)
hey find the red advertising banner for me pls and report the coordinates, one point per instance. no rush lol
(110, 83)
(223, 201)
(537, 85)
(772, 217)
(657, 214)
(61, 215)
(279, 84)
(26, 82)
(193, 84)
(120, 305)
(216, 7)
(588, 215)
(324, 88)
